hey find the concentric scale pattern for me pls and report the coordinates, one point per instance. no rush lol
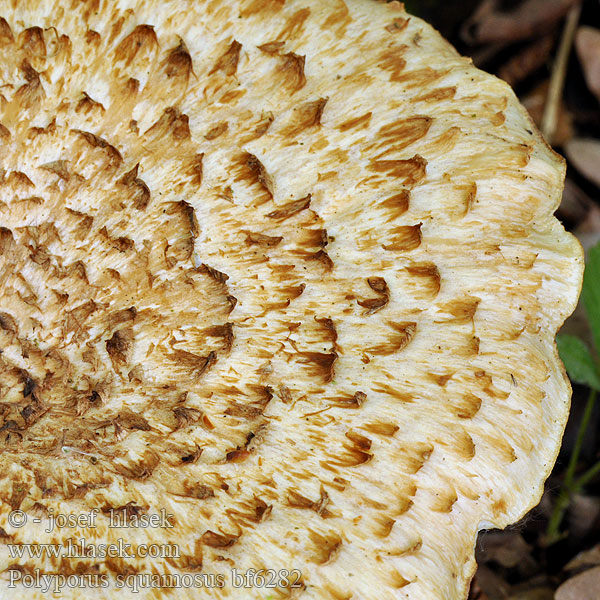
(285, 269)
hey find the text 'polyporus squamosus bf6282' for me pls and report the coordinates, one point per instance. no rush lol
(279, 282)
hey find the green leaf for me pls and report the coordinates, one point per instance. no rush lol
(590, 294)
(578, 360)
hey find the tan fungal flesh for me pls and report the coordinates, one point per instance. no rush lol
(286, 269)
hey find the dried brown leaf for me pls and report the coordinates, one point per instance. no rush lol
(528, 20)
(527, 61)
(583, 516)
(584, 586)
(587, 42)
(588, 233)
(575, 204)
(506, 548)
(535, 102)
(537, 593)
(585, 560)
(584, 154)
(491, 585)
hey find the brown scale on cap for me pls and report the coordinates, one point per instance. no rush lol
(305, 116)
(139, 40)
(228, 61)
(273, 267)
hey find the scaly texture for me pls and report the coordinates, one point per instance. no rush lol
(286, 269)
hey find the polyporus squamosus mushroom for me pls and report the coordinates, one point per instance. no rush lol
(286, 270)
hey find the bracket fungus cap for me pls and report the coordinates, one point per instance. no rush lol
(284, 270)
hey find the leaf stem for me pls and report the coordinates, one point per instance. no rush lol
(584, 479)
(570, 486)
(583, 427)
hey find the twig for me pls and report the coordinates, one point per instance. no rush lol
(570, 486)
(559, 72)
